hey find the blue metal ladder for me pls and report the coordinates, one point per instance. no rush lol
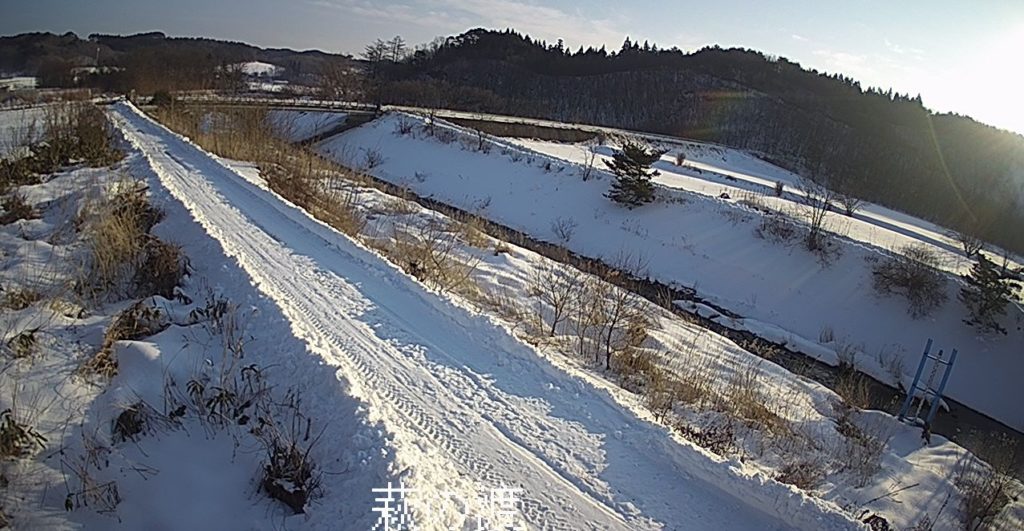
(926, 389)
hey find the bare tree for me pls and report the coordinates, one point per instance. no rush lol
(818, 199)
(970, 243)
(851, 204)
(589, 157)
(339, 82)
(588, 313)
(623, 325)
(563, 228)
(555, 288)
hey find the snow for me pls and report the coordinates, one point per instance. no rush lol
(693, 240)
(713, 170)
(408, 384)
(300, 125)
(462, 416)
(259, 69)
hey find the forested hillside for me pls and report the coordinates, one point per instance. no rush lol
(150, 62)
(885, 147)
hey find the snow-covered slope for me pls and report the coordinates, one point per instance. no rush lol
(714, 170)
(694, 240)
(468, 406)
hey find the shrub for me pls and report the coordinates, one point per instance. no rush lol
(23, 344)
(804, 474)
(18, 438)
(289, 474)
(718, 436)
(136, 322)
(19, 299)
(780, 188)
(431, 255)
(162, 98)
(913, 274)
(861, 451)
(777, 227)
(160, 269)
(140, 419)
(985, 492)
(564, 228)
(16, 208)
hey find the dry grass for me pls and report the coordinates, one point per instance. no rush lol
(72, 132)
(337, 209)
(135, 322)
(803, 474)
(21, 298)
(744, 399)
(777, 227)
(853, 387)
(117, 239)
(18, 438)
(161, 268)
(297, 174)
(23, 344)
(986, 489)
(470, 232)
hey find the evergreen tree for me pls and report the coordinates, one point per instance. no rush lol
(633, 174)
(985, 295)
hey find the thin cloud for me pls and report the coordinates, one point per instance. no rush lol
(452, 16)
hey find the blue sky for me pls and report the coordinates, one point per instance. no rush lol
(961, 56)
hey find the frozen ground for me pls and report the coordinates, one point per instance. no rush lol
(698, 241)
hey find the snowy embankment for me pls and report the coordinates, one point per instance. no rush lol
(467, 405)
(697, 241)
(714, 170)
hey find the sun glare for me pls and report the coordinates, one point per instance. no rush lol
(992, 82)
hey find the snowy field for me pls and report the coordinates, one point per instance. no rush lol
(698, 241)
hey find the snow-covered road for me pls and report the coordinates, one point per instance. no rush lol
(470, 408)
